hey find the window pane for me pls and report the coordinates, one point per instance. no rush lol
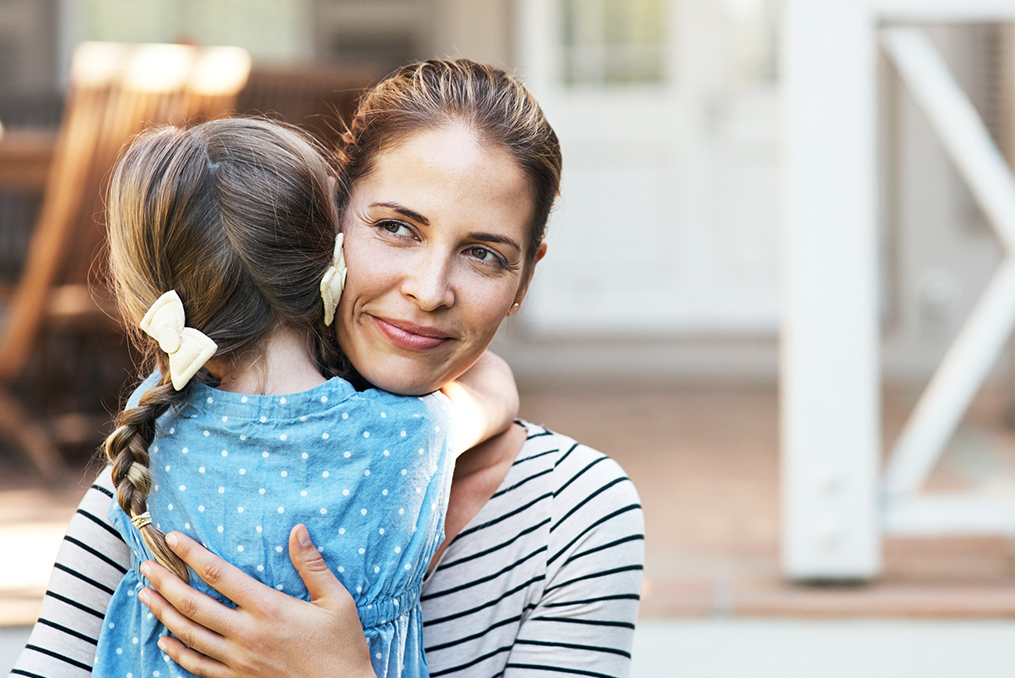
(614, 41)
(753, 41)
(271, 30)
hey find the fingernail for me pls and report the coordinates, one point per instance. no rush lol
(146, 569)
(303, 537)
(171, 539)
(162, 644)
(143, 596)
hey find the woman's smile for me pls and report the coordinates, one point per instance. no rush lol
(410, 336)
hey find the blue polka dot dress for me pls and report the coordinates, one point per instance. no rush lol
(369, 473)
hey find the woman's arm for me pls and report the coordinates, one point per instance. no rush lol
(90, 564)
(268, 633)
(545, 580)
(583, 623)
(485, 400)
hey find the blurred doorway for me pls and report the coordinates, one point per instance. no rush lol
(666, 110)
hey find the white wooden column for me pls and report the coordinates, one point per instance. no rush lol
(829, 372)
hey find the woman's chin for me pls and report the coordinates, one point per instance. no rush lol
(406, 382)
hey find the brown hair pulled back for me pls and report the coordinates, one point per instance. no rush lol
(239, 217)
(432, 94)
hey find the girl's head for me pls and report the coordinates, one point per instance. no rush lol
(238, 216)
(451, 169)
(434, 94)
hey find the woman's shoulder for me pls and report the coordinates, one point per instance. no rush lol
(592, 502)
(575, 466)
(556, 489)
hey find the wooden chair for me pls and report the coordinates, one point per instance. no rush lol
(115, 92)
(320, 99)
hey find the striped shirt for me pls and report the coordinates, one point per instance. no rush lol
(543, 581)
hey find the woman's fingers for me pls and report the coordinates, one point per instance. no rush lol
(185, 600)
(194, 662)
(205, 643)
(227, 579)
(270, 635)
(335, 602)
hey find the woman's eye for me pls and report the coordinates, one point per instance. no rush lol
(482, 254)
(486, 255)
(396, 228)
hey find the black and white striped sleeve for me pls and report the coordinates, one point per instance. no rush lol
(582, 623)
(90, 564)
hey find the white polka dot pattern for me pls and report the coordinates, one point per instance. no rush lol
(324, 458)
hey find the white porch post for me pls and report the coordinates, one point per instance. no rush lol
(832, 512)
(829, 373)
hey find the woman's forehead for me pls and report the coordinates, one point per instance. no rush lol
(449, 174)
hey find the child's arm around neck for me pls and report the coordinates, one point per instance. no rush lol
(485, 399)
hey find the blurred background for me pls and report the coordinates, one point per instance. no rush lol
(651, 331)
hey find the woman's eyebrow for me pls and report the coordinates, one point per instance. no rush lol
(493, 237)
(416, 216)
(404, 211)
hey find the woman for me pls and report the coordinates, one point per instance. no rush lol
(452, 171)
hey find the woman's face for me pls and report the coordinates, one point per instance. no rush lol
(435, 241)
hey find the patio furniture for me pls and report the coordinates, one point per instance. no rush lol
(320, 99)
(116, 91)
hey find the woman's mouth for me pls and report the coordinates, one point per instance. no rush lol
(410, 336)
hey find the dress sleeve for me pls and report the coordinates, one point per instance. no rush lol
(89, 565)
(582, 621)
(442, 415)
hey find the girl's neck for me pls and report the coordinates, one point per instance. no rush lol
(284, 367)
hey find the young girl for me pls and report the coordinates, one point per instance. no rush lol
(224, 258)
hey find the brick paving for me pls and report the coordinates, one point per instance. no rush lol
(705, 461)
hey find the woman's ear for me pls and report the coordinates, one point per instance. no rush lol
(540, 253)
(524, 288)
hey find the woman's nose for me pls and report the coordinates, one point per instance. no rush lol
(429, 284)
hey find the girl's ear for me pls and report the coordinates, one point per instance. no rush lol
(524, 287)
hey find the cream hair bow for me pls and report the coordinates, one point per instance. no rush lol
(333, 281)
(188, 349)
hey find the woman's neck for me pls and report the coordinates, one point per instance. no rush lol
(285, 366)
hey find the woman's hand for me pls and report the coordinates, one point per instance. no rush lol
(269, 633)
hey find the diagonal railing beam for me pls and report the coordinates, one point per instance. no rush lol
(951, 390)
(984, 335)
(960, 128)
(945, 11)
